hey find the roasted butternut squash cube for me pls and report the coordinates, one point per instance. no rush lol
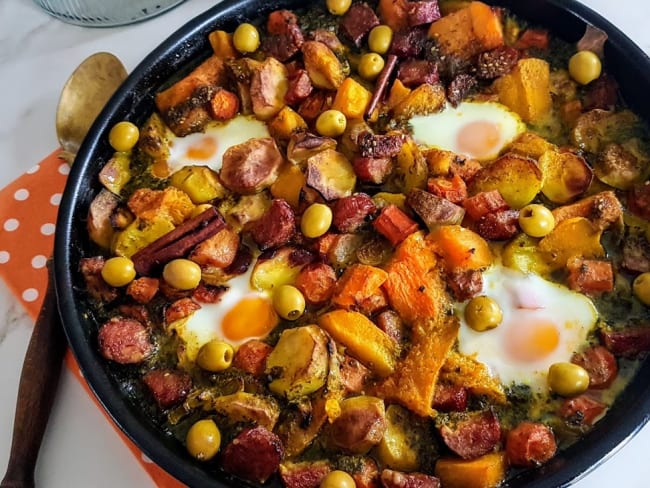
(527, 89)
(351, 99)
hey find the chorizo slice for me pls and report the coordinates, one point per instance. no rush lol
(398, 479)
(276, 227)
(251, 357)
(316, 281)
(124, 340)
(530, 444)
(91, 270)
(143, 289)
(599, 363)
(350, 213)
(473, 435)
(254, 455)
(167, 386)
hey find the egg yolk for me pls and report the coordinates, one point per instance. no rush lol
(202, 149)
(250, 317)
(532, 341)
(478, 139)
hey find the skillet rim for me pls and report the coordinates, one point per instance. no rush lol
(182, 48)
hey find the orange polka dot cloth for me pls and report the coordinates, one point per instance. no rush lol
(28, 210)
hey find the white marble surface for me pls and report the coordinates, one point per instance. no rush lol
(37, 53)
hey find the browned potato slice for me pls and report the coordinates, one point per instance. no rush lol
(116, 173)
(323, 67)
(398, 449)
(597, 128)
(247, 407)
(99, 218)
(303, 145)
(518, 179)
(269, 84)
(566, 175)
(299, 362)
(281, 268)
(522, 253)
(361, 424)
(572, 237)
(531, 145)
(154, 138)
(621, 165)
(331, 174)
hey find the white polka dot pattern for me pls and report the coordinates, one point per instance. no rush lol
(11, 225)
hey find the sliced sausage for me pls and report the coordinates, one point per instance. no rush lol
(205, 293)
(636, 254)
(465, 284)
(460, 87)
(251, 166)
(484, 203)
(254, 454)
(582, 410)
(599, 363)
(299, 88)
(134, 311)
(631, 342)
(373, 170)
(168, 387)
(251, 357)
(391, 323)
(360, 426)
(353, 375)
(420, 13)
(143, 289)
(124, 340)
(306, 474)
(379, 145)
(316, 281)
(350, 213)
(358, 22)
(450, 398)
(398, 479)
(434, 210)
(416, 72)
(409, 43)
(367, 474)
(473, 435)
(180, 309)
(276, 227)
(499, 226)
(638, 200)
(530, 444)
(91, 270)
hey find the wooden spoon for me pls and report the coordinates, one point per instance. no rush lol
(82, 98)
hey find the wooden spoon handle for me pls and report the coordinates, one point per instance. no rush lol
(38, 385)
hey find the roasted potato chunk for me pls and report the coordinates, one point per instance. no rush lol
(331, 174)
(199, 182)
(518, 179)
(299, 362)
(566, 175)
(281, 268)
(360, 425)
(269, 83)
(323, 67)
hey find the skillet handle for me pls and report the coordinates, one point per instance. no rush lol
(36, 391)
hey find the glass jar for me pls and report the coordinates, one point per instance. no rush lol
(105, 13)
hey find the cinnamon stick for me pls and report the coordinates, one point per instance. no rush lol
(382, 84)
(178, 242)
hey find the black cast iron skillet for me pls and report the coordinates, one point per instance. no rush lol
(134, 101)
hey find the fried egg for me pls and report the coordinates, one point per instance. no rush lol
(208, 147)
(478, 130)
(242, 314)
(543, 323)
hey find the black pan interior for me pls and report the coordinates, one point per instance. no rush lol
(134, 101)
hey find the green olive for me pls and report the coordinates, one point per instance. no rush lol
(338, 7)
(641, 287)
(585, 67)
(118, 271)
(289, 302)
(182, 274)
(246, 38)
(483, 313)
(567, 379)
(536, 220)
(203, 440)
(337, 479)
(215, 356)
(123, 136)
(331, 123)
(316, 220)
(370, 66)
(380, 38)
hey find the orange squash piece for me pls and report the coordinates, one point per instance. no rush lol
(358, 283)
(414, 288)
(487, 471)
(351, 99)
(461, 249)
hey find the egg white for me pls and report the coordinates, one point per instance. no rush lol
(205, 324)
(527, 299)
(222, 135)
(443, 130)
